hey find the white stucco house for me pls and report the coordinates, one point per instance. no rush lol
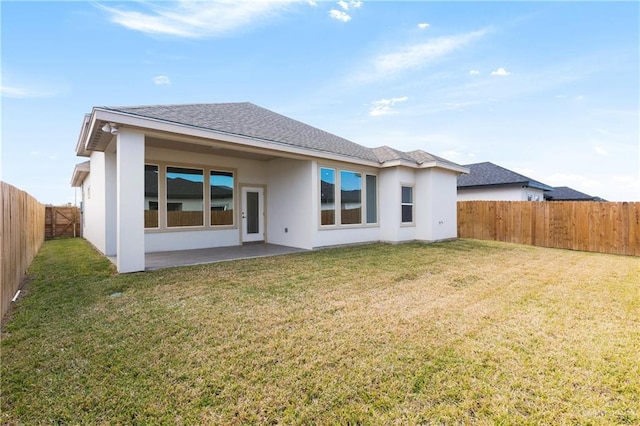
(178, 177)
(490, 182)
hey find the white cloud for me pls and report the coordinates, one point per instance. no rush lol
(194, 19)
(600, 150)
(312, 3)
(339, 15)
(23, 92)
(161, 80)
(450, 155)
(343, 4)
(355, 4)
(501, 72)
(573, 180)
(415, 56)
(423, 25)
(385, 106)
(474, 72)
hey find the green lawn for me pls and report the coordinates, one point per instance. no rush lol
(457, 332)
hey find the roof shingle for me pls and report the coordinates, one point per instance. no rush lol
(249, 120)
(489, 174)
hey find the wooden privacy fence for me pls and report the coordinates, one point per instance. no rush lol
(576, 225)
(22, 221)
(62, 222)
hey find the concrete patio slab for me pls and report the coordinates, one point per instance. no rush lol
(170, 259)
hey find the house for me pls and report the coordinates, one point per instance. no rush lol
(564, 193)
(488, 181)
(179, 177)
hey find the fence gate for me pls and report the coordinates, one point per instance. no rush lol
(61, 222)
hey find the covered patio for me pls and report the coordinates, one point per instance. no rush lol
(169, 259)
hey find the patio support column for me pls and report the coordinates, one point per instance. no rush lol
(130, 201)
(110, 202)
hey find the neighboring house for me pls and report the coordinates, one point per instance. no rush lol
(564, 193)
(487, 181)
(178, 177)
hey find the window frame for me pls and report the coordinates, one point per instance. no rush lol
(162, 197)
(366, 200)
(335, 196)
(342, 209)
(233, 198)
(411, 203)
(169, 201)
(337, 208)
(157, 201)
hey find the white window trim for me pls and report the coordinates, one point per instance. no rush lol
(412, 204)
(162, 197)
(337, 208)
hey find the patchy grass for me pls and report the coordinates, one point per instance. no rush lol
(457, 332)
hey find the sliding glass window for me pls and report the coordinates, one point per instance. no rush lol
(185, 197)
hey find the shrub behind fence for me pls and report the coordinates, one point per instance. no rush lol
(22, 222)
(576, 225)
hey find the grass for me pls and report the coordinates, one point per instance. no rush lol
(458, 332)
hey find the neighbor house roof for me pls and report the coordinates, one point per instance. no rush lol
(489, 174)
(564, 193)
(247, 120)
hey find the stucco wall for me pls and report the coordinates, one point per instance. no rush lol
(436, 193)
(93, 189)
(291, 203)
(500, 193)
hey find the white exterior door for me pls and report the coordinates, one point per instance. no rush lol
(252, 214)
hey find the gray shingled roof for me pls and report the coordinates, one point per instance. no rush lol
(564, 193)
(249, 120)
(489, 174)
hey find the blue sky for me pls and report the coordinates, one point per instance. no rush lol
(547, 89)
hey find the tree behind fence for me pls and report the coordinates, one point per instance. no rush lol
(576, 225)
(22, 222)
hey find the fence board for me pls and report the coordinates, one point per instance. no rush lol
(21, 228)
(577, 225)
(62, 222)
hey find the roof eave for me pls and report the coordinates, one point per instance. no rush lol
(80, 173)
(444, 165)
(101, 115)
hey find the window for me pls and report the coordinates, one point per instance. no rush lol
(350, 198)
(185, 197)
(355, 203)
(150, 196)
(407, 204)
(372, 199)
(327, 196)
(221, 197)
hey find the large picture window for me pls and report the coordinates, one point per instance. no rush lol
(185, 197)
(350, 197)
(327, 196)
(407, 204)
(150, 196)
(347, 197)
(221, 197)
